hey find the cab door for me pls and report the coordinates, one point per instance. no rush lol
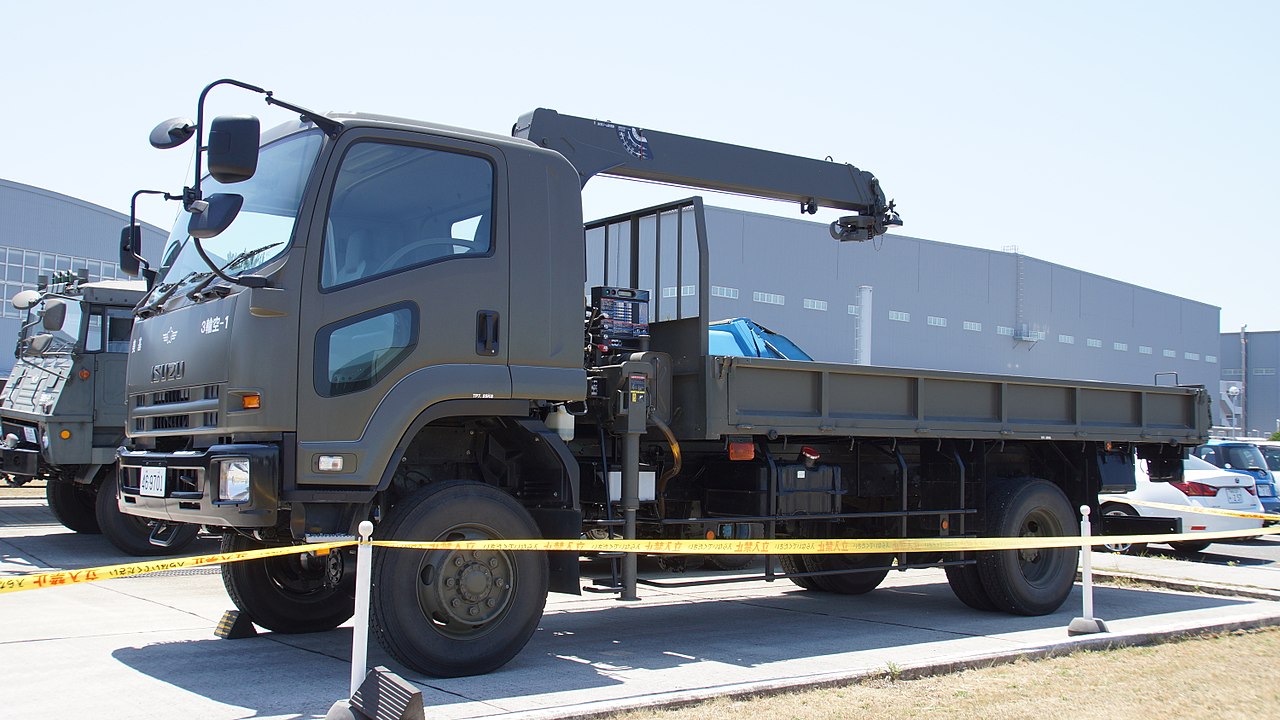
(405, 296)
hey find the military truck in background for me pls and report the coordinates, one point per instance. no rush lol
(62, 411)
(362, 317)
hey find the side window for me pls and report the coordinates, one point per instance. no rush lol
(119, 326)
(93, 335)
(355, 353)
(1209, 454)
(399, 206)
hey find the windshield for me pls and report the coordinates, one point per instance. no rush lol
(1272, 455)
(64, 339)
(261, 231)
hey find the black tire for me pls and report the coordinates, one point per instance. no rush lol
(1033, 581)
(731, 562)
(1190, 546)
(72, 504)
(792, 564)
(454, 613)
(857, 583)
(966, 584)
(291, 593)
(1123, 548)
(132, 534)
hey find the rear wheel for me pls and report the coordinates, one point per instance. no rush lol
(130, 533)
(72, 504)
(451, 613)
(854, 583)
(1034, 581)
(1122, 548)
(298, 593)
(792, 564)
(966, 583)
(1190, 546)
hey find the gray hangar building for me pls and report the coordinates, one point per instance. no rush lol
(905, 302)
(44, 232)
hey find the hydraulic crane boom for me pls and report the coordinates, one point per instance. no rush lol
(596, 147)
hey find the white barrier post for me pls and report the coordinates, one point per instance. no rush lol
(1087, 624)
(364, 583)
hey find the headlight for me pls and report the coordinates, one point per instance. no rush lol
(233, 480)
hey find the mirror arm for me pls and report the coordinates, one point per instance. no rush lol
(192, 194)
(329, 126)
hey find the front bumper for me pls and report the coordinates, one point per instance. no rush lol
(20, 462)
(190, 493)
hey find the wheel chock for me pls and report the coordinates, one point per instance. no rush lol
(235, 625)
(383, 695)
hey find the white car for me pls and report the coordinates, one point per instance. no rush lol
(1203, 485)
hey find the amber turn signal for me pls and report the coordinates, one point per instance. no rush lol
(251, 402)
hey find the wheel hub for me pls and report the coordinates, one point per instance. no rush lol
(462, 591)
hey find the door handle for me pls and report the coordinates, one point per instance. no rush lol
(487, 333)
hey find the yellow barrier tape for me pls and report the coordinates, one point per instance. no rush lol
(34, 581)
(1201, 510)
(57, 578)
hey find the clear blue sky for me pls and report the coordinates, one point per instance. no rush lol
(1130, 139)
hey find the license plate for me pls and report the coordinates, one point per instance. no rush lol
(1265, 490)
(1235, 496)
(152, 484)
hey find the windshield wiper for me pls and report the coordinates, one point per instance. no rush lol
(236, 260)
(165, 292)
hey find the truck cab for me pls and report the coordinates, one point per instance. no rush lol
(62, 413)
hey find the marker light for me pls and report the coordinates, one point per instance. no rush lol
(252, 401)
(65, 434)
(329, 463)
(84, 374)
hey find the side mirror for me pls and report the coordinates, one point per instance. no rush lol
(55, 314)
(25, 300)
(171, 133)
(233, 148)
(36, 345)
(131, 250)
(216, 214)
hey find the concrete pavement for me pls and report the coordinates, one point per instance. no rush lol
(143, 647)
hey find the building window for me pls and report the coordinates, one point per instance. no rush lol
(1170, 354)
(1264, 371)
(769, 298)
(974, 326)
(854, 310)
(1093, 342)
(1122, 347)
(1211, 359)
(810, 304)
(1144, 350)
(1232, 372)
(1035, 335)
(724, 292)
(936, 321)
(1067, 339)
(1004, 330)
(899, 316)
(20, 271)
(669, 292)
(1190, 356)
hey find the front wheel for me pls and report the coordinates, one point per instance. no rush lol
(72, 504)
(298, 593)
(1032, 581)
(451, 613)
(130, 533)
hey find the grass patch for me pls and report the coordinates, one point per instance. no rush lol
(1219, 676)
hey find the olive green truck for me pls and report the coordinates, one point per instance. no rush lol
(361, 317)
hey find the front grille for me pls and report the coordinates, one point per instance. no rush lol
(189, 408)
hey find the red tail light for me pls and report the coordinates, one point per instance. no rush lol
(1251, 490)
(1195, 489)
